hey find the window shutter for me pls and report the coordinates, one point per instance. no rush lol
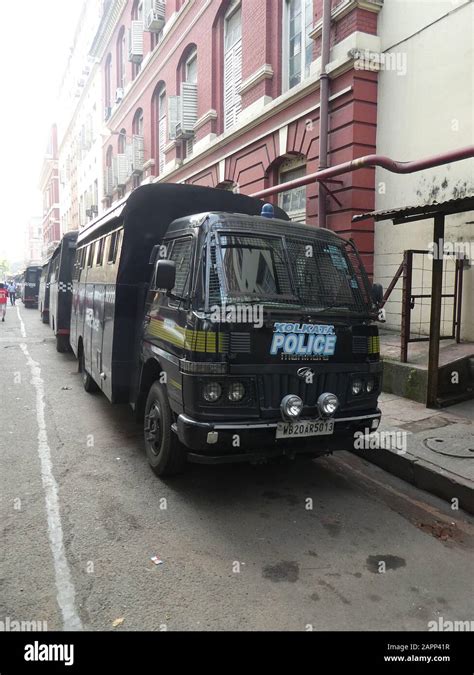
(232, 83)
(173, 115)
(188, 105)
(135, 53)
(162, 142)
(228, 89)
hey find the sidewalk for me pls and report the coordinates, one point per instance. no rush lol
(432, 449)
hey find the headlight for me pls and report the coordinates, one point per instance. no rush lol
(370, 385)
(211, 392)
(236, 391)
(291, 406)
(328, 404)
(357, 386)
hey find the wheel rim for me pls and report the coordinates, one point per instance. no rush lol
(153, 428)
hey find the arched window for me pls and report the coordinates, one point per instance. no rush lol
(293, 201)
(108, 84)
(159, 124)
(122, 141)
(121, 59)
(137, 124)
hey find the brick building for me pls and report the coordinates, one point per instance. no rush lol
(226, 93)
(49, 187)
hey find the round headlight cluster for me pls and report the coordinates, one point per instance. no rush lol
(211, 392)
(291, 406)
(359, 386)
(236, 392)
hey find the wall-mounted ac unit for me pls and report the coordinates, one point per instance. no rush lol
(121, 172)
(135, 42)
(118, 94)
(155, 17)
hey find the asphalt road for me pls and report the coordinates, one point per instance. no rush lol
(81, 514)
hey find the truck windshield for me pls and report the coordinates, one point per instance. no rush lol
(288, 270)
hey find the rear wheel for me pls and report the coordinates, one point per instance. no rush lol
(62, 343)
(166, 455)
(87, 381)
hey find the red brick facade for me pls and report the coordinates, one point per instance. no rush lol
(284, 123)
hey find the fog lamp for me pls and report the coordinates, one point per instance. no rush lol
(291, 406)
(328, 404)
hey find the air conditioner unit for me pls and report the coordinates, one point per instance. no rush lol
(155, 19)
(107, 112)
(118, 94)
(135, 42)
(183, 134)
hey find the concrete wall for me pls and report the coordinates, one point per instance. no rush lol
(425, 107)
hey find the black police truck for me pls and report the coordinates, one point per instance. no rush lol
(234, 334)
(59, 281)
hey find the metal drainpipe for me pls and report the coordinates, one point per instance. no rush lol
(324, 107)
(368, 161)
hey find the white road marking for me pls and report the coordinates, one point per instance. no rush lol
(65, 589)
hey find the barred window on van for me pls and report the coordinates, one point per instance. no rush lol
(181, 255)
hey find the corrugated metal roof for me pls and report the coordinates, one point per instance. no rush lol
(458, 205)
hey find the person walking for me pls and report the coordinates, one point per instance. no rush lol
(3, 300)
(12, 293)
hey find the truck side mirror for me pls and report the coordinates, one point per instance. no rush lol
(154, 254)
(165, 274)
(377, 293)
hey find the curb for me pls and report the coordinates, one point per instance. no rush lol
(423, 475)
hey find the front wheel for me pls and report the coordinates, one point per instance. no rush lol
(87, 381)
(165, 453)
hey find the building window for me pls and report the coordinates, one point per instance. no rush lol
(299, 45)
(190, 77)
(108, 84)
(137, 124)
(293, 201)
(122, 141)
(137, 15)
(121, 59)
(232, 65)
(162, 129)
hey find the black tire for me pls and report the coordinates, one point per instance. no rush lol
(87, 381)
(62, 344)
(165, 453)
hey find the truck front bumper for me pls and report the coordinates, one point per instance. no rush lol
(225, 442)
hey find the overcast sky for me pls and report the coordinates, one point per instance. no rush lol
(36, 36)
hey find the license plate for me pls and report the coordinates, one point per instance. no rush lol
(304, 428)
